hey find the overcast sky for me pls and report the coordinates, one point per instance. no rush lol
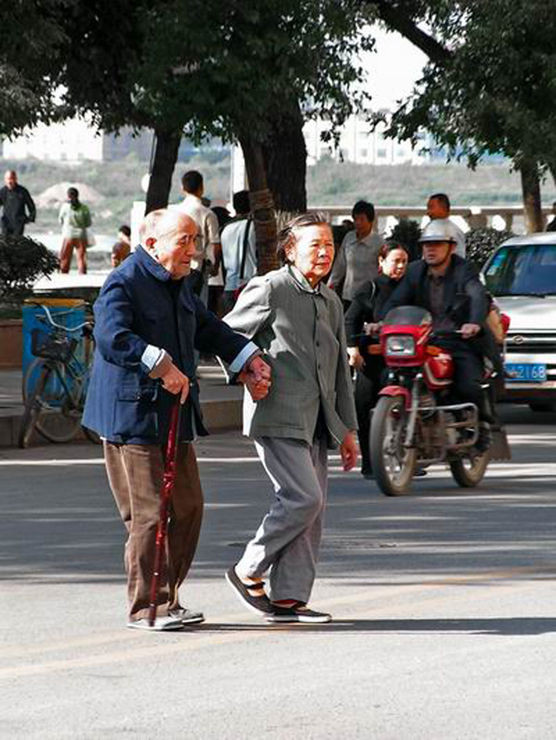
(393, 69)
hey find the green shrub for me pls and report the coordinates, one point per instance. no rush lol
(22, 261)
(481, 243)
(407, 232)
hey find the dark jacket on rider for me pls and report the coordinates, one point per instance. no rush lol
(464, 296)
(366, 307)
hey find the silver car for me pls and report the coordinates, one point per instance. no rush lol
(521, 275)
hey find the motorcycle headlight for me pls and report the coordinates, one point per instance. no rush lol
(400, 345)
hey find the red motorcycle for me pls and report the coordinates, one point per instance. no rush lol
(414, 424)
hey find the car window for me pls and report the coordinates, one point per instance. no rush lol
(526, 270)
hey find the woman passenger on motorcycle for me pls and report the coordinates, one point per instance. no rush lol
(361, 323)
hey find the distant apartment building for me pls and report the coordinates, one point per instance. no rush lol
(361, 144)
(74, 141)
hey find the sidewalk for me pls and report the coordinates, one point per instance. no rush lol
(221, 403)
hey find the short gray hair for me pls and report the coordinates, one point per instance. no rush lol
(287, 234)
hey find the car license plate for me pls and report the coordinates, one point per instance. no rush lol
(525, 372)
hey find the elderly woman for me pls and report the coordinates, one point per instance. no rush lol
(298, 323)
(363, 311)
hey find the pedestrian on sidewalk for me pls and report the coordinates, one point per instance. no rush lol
(239, 250)
(75, 218)
(356, 262)
(18, 208)
(208, 254)
(299, 324)
(147, 324)
(438, 209)
(122, 248)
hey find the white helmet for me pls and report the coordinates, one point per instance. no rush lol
(439, 230)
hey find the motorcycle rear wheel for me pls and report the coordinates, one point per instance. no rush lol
(468, 472)
(393, 465)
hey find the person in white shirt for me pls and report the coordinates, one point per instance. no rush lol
(239, 255)
(438, 206)
(208, 252)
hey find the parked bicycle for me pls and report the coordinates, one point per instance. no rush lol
(55, 384)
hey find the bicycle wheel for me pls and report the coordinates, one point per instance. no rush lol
(32, 407)
(57, 420)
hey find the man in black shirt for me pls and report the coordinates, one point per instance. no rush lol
(17, 204)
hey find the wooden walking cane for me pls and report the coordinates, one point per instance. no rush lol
(168, 483)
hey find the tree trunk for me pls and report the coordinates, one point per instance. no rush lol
(262, 206)
(165, 157)
(531, 189)
(285, 156)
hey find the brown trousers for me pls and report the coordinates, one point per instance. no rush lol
(66, 254)
(135, 475)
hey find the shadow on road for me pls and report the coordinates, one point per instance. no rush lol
(511, 626)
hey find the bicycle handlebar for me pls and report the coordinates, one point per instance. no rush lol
(68, 329)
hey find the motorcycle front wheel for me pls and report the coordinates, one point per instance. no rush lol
(468, 472)
(393, 464)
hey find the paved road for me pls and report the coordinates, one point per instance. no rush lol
(444, 605)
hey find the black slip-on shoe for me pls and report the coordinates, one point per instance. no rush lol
(251, 595)
(299, 613)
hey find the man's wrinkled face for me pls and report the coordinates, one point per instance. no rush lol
(10, 180)
(436, 254)
(312, 251)
(175, 248)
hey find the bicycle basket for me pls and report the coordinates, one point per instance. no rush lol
(51, 346)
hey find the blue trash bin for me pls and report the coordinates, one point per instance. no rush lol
(69, 312)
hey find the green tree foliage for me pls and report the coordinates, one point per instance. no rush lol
(407, 232)
(22, 261)
(481, 243)
(490, 83)
(495, 90)
(30, 41)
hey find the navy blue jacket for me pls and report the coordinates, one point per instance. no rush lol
(140, 305)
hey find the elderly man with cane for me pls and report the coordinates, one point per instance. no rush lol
(148, 324)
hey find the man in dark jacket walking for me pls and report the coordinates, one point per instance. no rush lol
(449, 287)
(148, 324)
(17, 206)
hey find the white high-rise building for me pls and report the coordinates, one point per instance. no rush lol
(73, 141)
(360, 144)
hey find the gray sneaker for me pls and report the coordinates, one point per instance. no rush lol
(161, 624)
(187, 616)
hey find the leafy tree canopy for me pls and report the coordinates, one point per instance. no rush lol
(211, 67)
(493, 87)
(30, 39)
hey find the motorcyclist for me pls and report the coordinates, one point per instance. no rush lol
(449, 287)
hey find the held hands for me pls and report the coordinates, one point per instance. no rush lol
(348, 451)
(470, 330)
(174, 381)
(256, 377)
(356, 359)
